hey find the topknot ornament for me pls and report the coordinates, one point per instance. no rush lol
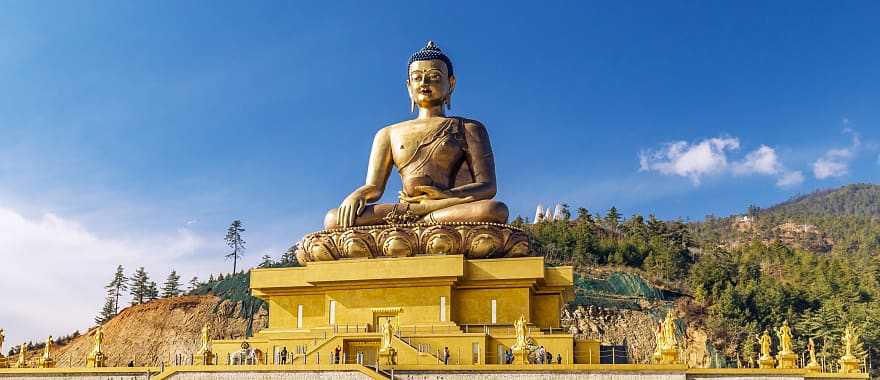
(430, 52)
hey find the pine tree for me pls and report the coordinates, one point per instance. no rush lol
(193, 284)
(235, 241)
(171, 288)
(612, 219)
(152, 291)
(116, 287)
(107, 312)
(266, 262)
(139, 286)
(211, 278)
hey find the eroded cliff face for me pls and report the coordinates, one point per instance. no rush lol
(151, 333)
(636, 329)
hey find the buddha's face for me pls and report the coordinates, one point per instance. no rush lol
(429, 83)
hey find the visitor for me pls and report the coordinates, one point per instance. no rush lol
(549, 358)
(540, 355)
(131, 363)
(336, 354)
(558, 358)
(284, 355)
(446, 355)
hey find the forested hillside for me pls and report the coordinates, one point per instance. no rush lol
(735, 279)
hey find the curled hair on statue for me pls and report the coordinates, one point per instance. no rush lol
(431, 52)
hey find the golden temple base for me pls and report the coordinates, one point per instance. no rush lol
(4, 363)
(435, 303)
(46, 363)
(786, 360)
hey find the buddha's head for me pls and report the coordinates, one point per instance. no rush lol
(430, 80)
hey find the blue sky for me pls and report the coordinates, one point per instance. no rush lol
(134, 132)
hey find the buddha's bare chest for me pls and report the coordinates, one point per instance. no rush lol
(421, 143)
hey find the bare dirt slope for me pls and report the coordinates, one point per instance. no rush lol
(156, 331)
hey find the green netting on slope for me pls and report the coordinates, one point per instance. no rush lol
(234, 288)
(620, 284)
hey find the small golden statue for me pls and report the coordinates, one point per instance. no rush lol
(46, 361)
(386, 351)
(786, 356)
(204, 356)
(97, 358)
(520, 349)
(4, 363)
(813, 365)
(766, 360)
(849, 363)
(447, 169)
(22, 356)
(667, 343)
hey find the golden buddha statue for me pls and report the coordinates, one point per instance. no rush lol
(447, 169)
(445, 163)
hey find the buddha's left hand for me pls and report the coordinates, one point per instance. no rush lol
(433, 193)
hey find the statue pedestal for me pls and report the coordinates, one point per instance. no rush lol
(203, 358)
(849, 364)
(668, 356)
(46, 363)
(473, 240)
(96, 360)
(786, 360)
(813, 367)
(386, 357)
(520, 356)
(766, 362)
(4, 363)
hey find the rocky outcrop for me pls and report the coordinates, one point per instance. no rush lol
(636, 330)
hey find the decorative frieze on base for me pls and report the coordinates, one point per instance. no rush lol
(786, 360)
(473, 240)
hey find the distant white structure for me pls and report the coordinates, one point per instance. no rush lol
(543, 214)
(539, 214)
(557, 213)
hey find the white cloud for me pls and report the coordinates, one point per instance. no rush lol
(835, 162)
(760, 161)
(53, 270)
(693, 161)
(710, 157)
(827, 167)
(790, 179)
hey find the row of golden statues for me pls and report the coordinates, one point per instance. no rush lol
(667, 351)
(95, 358)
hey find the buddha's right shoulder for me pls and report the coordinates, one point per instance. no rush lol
(390, 129)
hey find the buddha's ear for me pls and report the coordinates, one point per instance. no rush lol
(451, 83)
(409, 90)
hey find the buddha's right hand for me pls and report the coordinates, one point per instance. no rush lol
(351, 207)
